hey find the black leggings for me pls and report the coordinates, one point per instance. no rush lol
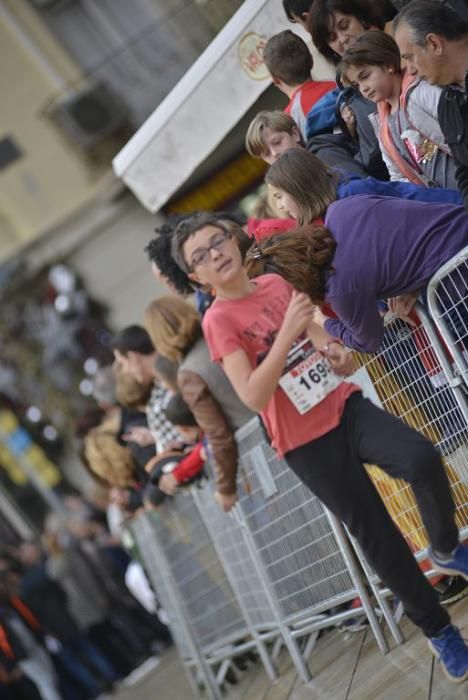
(332, 467)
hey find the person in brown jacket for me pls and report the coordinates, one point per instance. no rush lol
(175, 329)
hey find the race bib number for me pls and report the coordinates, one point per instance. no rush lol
(308, 377)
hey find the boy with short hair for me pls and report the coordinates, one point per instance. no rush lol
(270, 134)
(290, 64)
(135, 354)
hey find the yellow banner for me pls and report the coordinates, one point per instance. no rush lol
(224, 186)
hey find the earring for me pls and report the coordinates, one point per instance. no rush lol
(390, 70)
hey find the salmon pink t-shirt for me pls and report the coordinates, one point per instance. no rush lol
(251, 323)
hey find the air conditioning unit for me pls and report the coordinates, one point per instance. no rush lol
(89, 114)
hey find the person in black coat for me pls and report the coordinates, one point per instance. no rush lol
(47, 600)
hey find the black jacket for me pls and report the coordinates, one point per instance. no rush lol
(16, 651)
(367, 146)
(453, 119)
(336, 151)
(48, 602)
(129, 419)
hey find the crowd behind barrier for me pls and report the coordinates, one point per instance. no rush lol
(236, 550)
(70, 627)
(281, 567)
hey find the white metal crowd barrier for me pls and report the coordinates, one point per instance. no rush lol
(206, 620)
(280, 567)
(216, 614)
(447, 300)
(300, 550)
(413, 377)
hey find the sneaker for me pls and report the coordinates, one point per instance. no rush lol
(457, 565)
(451, 650)
(452, 589)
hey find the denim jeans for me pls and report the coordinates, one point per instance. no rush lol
(88, 652)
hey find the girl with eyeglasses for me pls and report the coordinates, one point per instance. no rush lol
(286, 367)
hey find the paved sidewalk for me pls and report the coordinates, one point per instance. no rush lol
(345, 667)
(166, 682)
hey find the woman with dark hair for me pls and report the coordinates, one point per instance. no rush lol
(334, 26)
(298, 10)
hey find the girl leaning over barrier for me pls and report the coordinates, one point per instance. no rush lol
(371, 248)
(370, 243)
(308, 192)
(286, 367)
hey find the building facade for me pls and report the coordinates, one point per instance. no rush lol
(78, 77)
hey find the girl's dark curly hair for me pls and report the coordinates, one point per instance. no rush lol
(159, 251)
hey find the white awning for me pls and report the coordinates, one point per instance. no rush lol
(203, 107)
